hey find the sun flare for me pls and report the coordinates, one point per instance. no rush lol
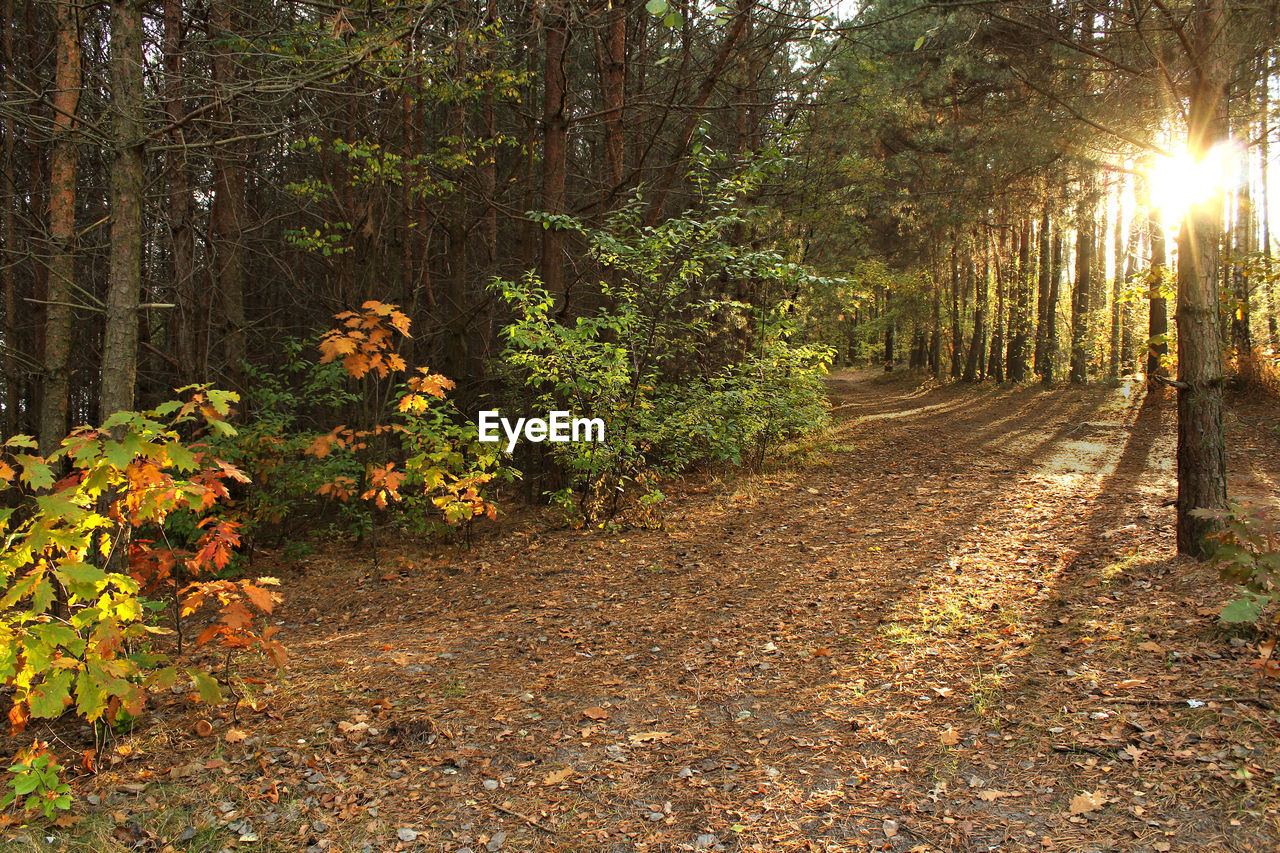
(1180, 181)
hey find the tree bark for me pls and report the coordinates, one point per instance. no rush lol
(8, 229)
(1086, 233)
(1117, 281)
(1044, 310)
(55, 396)
(226, 217)
(1018, 319)
(957, 340)
(554, 143)
(613, 82)
(995, 364)
(188, 327)
(1202, 475)
(1057, 270)
(973, 365)
(124, 278)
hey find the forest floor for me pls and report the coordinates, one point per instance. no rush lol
(956, 624)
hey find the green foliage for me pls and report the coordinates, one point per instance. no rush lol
(1248, 555)
(681, 372)
(76, 571)
(37, 783)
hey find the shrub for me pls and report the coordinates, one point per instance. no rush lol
(1248, 555)
(681, 372)
(78, 571)
(415, 460)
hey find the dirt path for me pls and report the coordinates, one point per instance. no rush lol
(942, 632)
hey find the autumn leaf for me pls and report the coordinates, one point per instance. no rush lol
(261, 598)
(236, 616)
(1086, 802)
(596, 714)
(18, 717)
(949, 736)
(646, 737)
(557, 776)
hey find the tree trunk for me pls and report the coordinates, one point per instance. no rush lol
(56, 392)
(995, 365)
(1157, 307)
(554, 143)
(1202, 474)
(613, 82)
(1044, 311)
(1117, 281)
(1057, 270)
(188, 327)
(1018, 319)
(1241, 337)
(1264, 203)
(9, 200)
(124, 277)
(1086, 232)
(957, 340)
(973, 365)
(226, 217)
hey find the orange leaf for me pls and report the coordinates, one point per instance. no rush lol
(18, 716)
(236, 616)
(261, 598)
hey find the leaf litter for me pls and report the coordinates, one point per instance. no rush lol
(961, 626)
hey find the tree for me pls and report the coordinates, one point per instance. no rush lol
(120, 337)
(61, 266)
(1202, 472)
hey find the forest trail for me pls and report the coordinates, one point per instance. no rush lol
(948, 629)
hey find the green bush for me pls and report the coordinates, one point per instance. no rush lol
(681, 373)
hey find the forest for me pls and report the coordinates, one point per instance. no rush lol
(639, 425)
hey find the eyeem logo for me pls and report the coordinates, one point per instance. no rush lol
(556, 427)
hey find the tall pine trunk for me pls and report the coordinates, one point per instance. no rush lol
(1202, 474)
(1044, 310)
(554, 142)
(1086, 234)
(1057, 270)
(227, 214)
(55, 395)
(1018, 319)
(124, 277)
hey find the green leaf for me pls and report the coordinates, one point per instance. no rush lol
(222, 400)
(36, 473)
(58, 505)
(919, 43)
(656, 7)
(81, 575)
(26, 783)
(182, 458)
(46, 698)
(42, 597)
(210, 692)
(91, 702)
(1246, 608)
